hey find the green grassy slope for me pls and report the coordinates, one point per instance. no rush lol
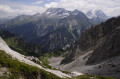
(18, 69)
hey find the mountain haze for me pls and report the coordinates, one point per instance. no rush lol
(38, 27)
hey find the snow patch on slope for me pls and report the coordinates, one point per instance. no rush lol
(18, 56)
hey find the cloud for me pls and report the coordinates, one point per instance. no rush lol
(19, 9)
(30, 7)
(6, 10)
(110, 7)
(52, 4)
(38, 2)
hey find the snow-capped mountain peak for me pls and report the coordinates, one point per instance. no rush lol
(61, 12)
(96, 14)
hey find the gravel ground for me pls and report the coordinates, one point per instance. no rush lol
(110, 67)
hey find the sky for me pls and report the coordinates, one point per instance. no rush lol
(31, 7)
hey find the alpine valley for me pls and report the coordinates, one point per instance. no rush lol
(60, 44)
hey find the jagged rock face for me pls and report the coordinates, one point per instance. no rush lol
(60, 12)
(77, 22)
(92, 39)
(108, 49)
(56, 40)
(45, 29)
(72, 55)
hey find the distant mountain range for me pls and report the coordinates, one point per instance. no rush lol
(53, 29)
(96, 15)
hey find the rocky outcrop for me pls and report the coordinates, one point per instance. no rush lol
(108, 49)
(93, 38)
(56, 40)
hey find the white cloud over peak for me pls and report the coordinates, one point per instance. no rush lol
(110, 7)
(10, 8)
(19, 9)
(52, 4)
(38, 2)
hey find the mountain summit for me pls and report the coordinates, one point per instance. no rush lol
(61, 12)
(97, 15)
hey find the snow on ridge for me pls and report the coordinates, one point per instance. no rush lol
(91, 14)
(21, 58)
(60, 12)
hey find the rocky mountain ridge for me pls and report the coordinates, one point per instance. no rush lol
(96, 52)
(41, 26)
(92, 38)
